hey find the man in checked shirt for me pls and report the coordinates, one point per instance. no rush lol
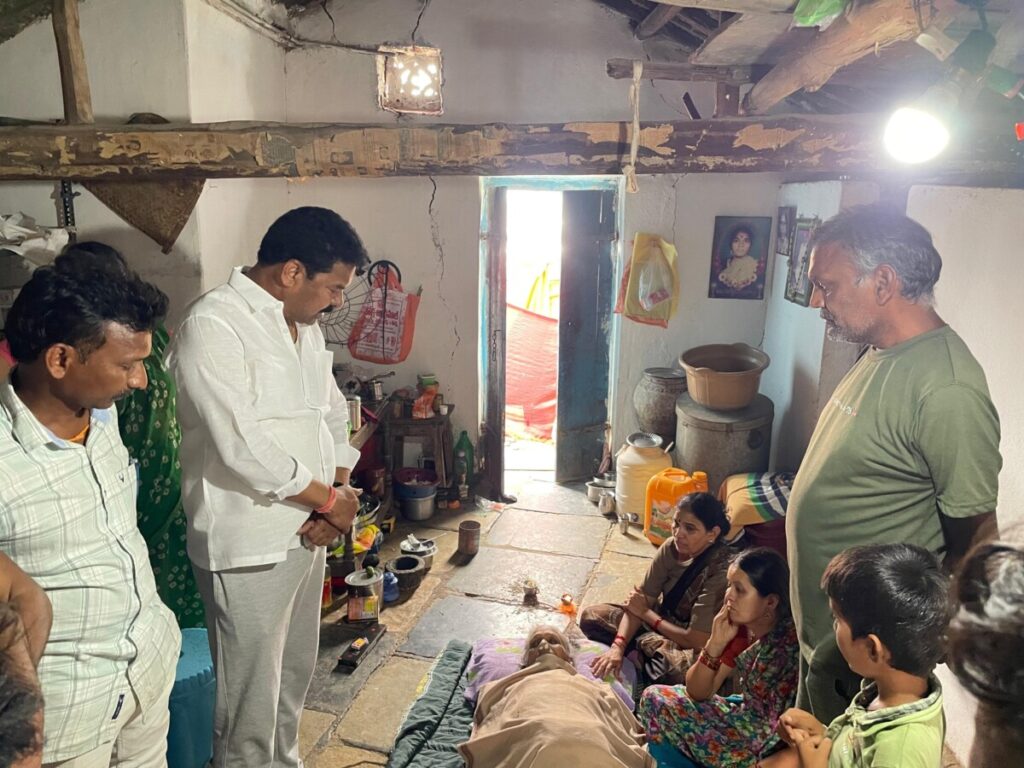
(67, 513)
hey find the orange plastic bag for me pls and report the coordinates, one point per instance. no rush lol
(384, 330)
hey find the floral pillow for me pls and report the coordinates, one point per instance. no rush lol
(495, 658)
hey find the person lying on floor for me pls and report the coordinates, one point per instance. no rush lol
(987, 645)
(671, 612)
(753, 641)
(891, 609)
(548, 716)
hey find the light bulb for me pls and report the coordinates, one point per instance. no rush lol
(914, 135)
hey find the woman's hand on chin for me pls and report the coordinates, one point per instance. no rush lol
(722, 630)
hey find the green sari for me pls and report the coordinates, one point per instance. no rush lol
(150, 432)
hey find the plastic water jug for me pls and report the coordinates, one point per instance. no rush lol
(664, 490)
(640, 459)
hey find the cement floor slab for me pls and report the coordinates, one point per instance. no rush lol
(448, 520)
(378, 710)
(613, 578)
(548, 496)
(547, 532)
(632, 543)
(400, 617)
(313, 726)
(346, 757)
(468, 619)
(500, 573)
(333, 690)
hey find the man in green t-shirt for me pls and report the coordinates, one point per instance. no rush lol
(906, 449)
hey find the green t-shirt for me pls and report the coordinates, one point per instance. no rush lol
(909, 432)
(908, 736)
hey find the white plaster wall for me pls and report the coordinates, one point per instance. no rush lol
(682, 210)
(522, 61)
(135, 52)
(393, 218)
(233, 74)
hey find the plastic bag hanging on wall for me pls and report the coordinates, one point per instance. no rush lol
(384, 330)
(649, 291)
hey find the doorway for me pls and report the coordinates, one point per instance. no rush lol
(548, 271)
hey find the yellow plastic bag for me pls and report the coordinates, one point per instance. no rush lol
(649, 291)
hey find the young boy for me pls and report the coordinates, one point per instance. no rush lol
(891, 609)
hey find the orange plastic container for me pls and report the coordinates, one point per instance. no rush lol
(664, 490)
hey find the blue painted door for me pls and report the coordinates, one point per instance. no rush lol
(585, 308)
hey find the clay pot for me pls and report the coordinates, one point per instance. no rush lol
(654, 401)
(409, 569)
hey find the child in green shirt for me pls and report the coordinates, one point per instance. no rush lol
(891, 610)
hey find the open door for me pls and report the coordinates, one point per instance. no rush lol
(492, 329)
(585, 309)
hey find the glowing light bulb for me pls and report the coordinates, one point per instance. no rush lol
(914, 135)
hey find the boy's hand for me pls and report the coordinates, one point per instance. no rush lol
(793, 719)
(813, 750)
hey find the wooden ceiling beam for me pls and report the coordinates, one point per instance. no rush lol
(865, 29)
(735, 6)
(622, 69)
(654, 21)
(830, 144)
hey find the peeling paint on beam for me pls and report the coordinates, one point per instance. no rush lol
(824, 143)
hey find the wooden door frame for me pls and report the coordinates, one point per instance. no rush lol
(492, 303)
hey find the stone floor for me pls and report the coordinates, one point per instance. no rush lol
(552, 535)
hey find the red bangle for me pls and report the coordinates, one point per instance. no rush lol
(657, 623)
(621, 644)
(327, 506)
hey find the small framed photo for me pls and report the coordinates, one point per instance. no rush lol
(798, 286)
(785, 229)
(739, 257)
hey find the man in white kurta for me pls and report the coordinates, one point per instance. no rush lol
(264, 438)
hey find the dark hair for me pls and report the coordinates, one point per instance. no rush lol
(986, 637)
(706, 508)
(20, 697)
(318, 238)
(91, 256)
(741, 228)
(876, 235)
(768, 572)
(898, 593)
(72, 301)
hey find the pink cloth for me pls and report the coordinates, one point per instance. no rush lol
(531, 372)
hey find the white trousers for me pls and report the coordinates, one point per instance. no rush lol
(264, 629)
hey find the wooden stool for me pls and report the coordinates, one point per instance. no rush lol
(436, 435)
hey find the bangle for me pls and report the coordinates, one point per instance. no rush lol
(620, 641)
(657, 623)
(327, 506)
(709, 661)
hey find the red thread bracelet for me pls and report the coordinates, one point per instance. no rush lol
(657, 623)
(327, 506)
(617, 639)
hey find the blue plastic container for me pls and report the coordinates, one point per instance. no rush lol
(190, 738)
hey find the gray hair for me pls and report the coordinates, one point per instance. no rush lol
(876, 235)
(554, 633)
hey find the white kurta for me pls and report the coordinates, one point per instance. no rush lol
(261, 417)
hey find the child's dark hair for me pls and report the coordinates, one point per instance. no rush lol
(898, 593)
(769, 573)
(20, 697)
(706, 508)
(986, 637)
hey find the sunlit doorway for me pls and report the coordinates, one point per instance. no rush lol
(533, 278)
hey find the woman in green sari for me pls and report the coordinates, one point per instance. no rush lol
(149, 430)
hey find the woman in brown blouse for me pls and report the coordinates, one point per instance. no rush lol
(670, 613)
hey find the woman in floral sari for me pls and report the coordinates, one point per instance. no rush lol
(753, 640)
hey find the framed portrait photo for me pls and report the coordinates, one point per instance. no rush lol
(798, 286)
(739, 257)
(785, 229)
